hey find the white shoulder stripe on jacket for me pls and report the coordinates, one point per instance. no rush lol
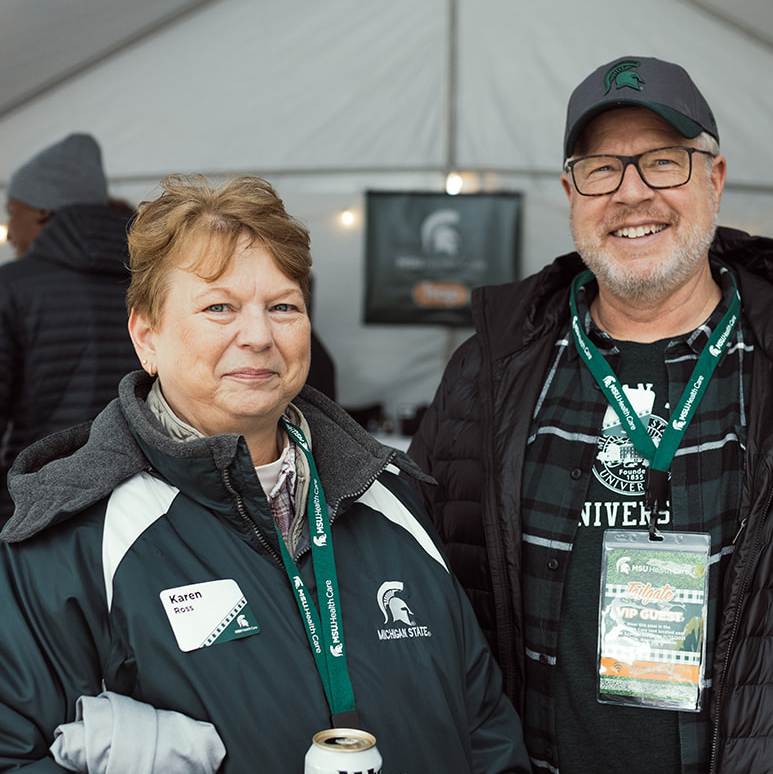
(138, 502)
(133, 506)
(382, 500)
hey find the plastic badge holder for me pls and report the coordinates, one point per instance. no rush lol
(652, 620)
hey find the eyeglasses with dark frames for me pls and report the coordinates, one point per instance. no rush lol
(668, 167)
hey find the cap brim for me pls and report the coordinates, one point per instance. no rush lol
(685, 126)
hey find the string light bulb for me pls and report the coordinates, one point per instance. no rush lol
(454, 183)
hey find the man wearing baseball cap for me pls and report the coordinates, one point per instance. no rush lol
(604, 453)
(64, 344)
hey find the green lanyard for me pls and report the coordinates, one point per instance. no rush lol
(328, 649)
(660, 456)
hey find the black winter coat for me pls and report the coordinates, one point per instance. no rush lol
(473, 440)
(64, 344)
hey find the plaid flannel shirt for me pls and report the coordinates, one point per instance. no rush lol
(705, 495)
(282, 497)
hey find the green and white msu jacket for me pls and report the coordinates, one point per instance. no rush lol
(121, 536)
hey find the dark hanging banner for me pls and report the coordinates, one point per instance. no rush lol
(425, 252)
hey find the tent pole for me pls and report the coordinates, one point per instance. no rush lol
(451, 86)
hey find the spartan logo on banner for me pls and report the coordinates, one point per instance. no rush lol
(425, 252)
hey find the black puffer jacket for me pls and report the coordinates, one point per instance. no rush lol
(64, 345)
(473, 439)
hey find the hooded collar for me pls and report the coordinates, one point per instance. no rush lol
(61, 475)
(87, 238)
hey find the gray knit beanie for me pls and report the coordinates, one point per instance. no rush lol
(67, 172)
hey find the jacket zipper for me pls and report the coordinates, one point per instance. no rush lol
(254, 527)
(353, 496)
(713, 763)
(247, 519)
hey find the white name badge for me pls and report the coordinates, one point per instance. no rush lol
(203, 614)
(652, 620)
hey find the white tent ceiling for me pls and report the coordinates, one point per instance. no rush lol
(45, 42)
(331, 99)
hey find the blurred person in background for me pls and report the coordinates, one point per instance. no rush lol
(64, 345)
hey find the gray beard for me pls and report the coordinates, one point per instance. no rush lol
(669, 274)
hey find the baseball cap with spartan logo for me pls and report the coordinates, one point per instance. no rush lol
(662, 87)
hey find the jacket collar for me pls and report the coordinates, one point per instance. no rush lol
(63, 474)
(85, 237)
(510, 317)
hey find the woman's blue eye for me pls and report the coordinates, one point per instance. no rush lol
(217, 308)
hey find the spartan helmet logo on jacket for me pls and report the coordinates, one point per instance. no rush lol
(392, 605)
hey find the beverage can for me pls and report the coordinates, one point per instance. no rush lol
(343, 751)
